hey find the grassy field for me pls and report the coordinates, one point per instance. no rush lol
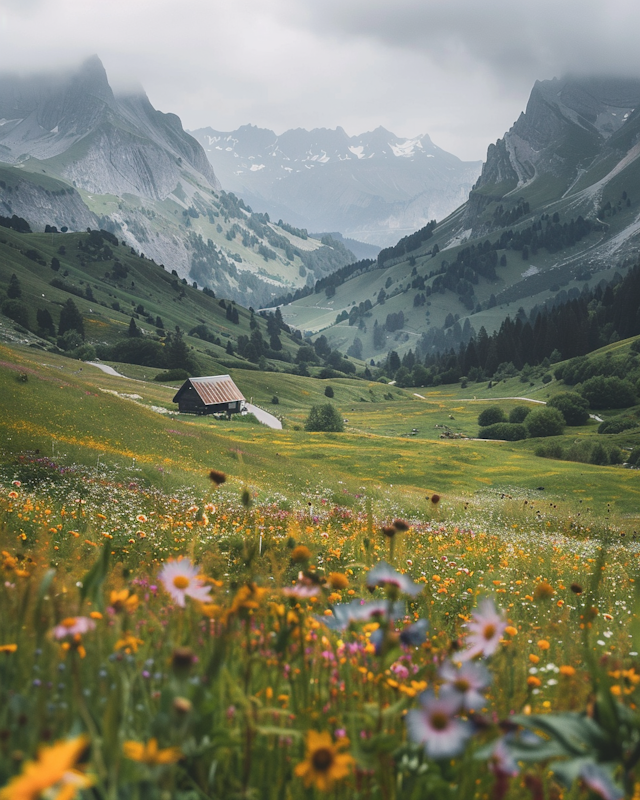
(264, 680)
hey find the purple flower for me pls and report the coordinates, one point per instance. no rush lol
(502, 762)
(359, 611)
(384, 574)
(464, 684)
(599, 781)
(486, 630)
(435, 726)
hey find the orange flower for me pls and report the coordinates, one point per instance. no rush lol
(543, 644)
(300, 553)
(337, 580)
(533, 682)
(567, 670)
(324, 764)
(543, 591)
(54, 768)
(8, 648)
(150, 754)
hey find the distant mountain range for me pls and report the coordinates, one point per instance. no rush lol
(74, 154)
(557, 205)
(375, 187)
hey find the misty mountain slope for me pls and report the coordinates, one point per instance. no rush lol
(77, 155)
(557, 205)
(374, 188)
(94, 137)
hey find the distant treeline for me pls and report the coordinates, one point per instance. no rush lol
(15, 223)
(608, 313)
(328, 283)
(407, 244)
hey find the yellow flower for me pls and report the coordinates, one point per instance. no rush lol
(324, 764)
(150, 754)
(123, 601)
(248, 597)
(128, 643)
(8, 648)
(54, 767)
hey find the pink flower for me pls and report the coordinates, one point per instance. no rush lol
(301, 591)
(72, 626)
(485, 631)
(182, 579)
(435, 726)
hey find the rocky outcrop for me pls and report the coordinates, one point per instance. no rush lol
(60, 206)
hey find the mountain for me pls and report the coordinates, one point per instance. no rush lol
(75, 154)
(374, 187)
(557, 205)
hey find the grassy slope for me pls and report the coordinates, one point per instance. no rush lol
(153, 288)
(166, 217)
(74, 415)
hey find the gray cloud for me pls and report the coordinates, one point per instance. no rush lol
(460, 70)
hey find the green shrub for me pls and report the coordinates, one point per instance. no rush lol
(634, 456)
(328, 391)
(172, 375)
(545, 422)
(491, 416)
(550, 450)
(617, 425)
(519, 414)
(16, 311)
(510, 431)
(608, 392)
(324, 418)
(573, 407)
(145, 352)
(599, 455)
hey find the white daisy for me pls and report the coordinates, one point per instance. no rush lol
(182, 579)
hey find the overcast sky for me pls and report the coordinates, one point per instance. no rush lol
(459, 70)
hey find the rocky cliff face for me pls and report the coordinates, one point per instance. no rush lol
(103, 143)
(564, 130)
(375, 188)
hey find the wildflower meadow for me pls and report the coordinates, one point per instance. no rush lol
(210, 644)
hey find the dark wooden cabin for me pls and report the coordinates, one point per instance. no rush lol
(212, 395)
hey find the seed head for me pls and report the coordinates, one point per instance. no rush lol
(217, 477)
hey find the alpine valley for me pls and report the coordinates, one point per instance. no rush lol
(556, 207)
(75, 155)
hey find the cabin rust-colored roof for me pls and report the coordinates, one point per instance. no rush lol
(213, 390)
